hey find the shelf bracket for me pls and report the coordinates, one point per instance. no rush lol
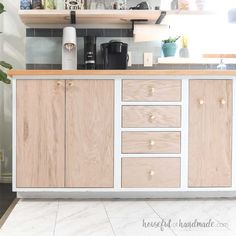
(73, 17)
(137, 20)
(158, 21)
(161, 17)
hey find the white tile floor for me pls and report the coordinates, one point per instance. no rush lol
(120, 218)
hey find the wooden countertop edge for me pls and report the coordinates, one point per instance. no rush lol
(13, 73)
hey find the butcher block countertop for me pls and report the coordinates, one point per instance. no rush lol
(13, 73)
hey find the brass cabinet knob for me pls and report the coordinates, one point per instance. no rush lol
(59, 83)
(151, 117)
(151, 90)
(201, 101)
(222, 101)
(151, 172)
(151, 143)
(70, 84)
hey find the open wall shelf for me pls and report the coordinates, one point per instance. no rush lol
(96, 16)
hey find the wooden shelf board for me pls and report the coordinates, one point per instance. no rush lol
(13, 73)
(200, 60)
(95, 16)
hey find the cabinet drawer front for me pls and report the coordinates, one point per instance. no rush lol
(150, 172)
(151, 116)
(151, 90)
(151, 142)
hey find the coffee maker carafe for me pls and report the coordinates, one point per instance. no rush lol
(114, 55)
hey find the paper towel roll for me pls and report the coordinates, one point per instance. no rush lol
(145, 32)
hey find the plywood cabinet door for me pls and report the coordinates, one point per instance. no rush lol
(210, 133)
(40, 119)
(89, 133)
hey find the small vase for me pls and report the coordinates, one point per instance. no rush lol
(184, 53)
(200, 4)
(169, 49)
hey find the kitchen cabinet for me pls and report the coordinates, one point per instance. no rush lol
(124, 134)
(40, 149)
(89, 133)
(64, 133)
(210, 133)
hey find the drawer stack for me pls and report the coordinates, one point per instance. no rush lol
(151, 133)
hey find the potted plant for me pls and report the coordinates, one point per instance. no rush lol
(4, 65)
(169, 46)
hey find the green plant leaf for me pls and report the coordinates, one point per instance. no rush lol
(170, 40)
(1, 8)
(3, 77)
(5, 65)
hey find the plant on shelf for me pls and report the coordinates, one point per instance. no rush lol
(4, 66)
(169, 46)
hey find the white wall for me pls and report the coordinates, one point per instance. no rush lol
(12, 50)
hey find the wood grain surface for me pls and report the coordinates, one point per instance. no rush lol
(151, 142)
(210, 133)
(151, 90)
(151, 116)
(89, 133)
(150, 172)
(40, 122)
(13, 73)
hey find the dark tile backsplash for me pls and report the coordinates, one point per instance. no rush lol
(37, 32)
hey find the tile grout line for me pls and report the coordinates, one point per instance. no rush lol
(55, 224)
(109, 219)
(159, 216)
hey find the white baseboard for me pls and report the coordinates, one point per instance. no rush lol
(125, 195)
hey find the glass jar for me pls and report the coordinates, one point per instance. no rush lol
(100, 5)
(37, 4)
(60, 5)
(49, 4)
(119, 5)
(92, 5)
(25, 4)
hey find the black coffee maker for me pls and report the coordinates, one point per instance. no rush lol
(90, 52)
(114, 55)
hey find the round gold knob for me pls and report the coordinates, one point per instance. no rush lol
(70, 84)
(151, 143)
(201, 101)
(151, 172)
(59, 83)
(151, 90)
(222, 101)
(151, 117)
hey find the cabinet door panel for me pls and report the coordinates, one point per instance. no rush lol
(210, 131)
(89, 133)
(40, 133)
